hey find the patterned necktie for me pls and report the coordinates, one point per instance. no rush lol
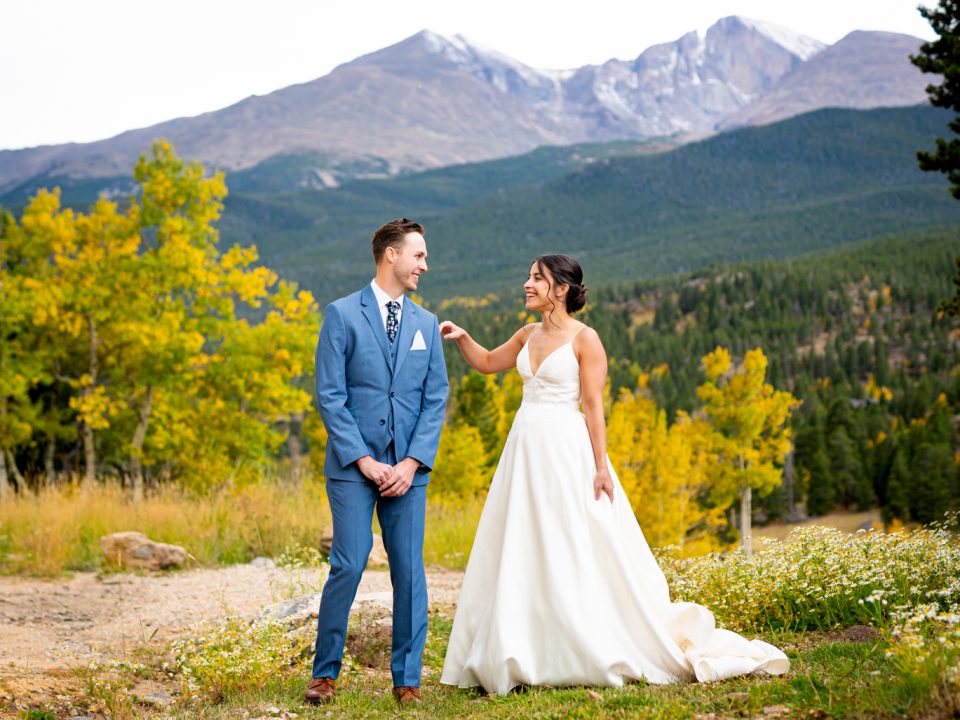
(393, 307)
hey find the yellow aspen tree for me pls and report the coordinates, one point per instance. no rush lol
(751, 433)
(461, 466)
(142, 317)
(662, 469)
(75, 311)
(239, 364)
(20, 365)
(510, 395)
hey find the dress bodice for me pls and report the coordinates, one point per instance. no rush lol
(557, 380)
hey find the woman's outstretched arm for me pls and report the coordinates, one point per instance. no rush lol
(593, 375)
(481, 359)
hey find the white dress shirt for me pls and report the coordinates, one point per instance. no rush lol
(382, 300)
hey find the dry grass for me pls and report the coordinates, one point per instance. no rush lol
(451, 525)
(845, 521)
(57, 530)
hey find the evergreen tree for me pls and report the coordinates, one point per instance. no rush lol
(942, 57)
(821, 491)
(929, 491)
(898, 504)
(477, 404)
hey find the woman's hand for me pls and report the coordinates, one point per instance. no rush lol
(449, 331)
(603, 483)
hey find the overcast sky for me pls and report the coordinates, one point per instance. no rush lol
(73, 71)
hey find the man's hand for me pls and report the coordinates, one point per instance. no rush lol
(378, 472)
(400, 478)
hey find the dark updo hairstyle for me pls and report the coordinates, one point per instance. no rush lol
(566, 271)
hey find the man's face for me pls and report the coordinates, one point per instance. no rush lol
(409, 260)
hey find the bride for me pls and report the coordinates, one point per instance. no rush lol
(561, 587)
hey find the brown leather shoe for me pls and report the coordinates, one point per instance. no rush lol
(320, 690)
(407, 695)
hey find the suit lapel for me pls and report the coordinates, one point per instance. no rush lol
(409, 324)
(372, 312)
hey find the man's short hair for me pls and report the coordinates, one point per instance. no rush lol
(391, 234)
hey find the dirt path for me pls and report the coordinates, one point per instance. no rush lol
(50, 625)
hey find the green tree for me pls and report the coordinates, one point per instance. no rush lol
(813, 463)
(929, 492)
(942, 57)
(897, 506)
(477, 403)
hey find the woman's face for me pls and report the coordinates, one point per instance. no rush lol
(540, 290)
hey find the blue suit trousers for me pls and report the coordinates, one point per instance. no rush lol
(402, 522)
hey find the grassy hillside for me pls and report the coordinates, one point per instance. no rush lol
(809, 183)
(338, 222)
(627, 210)
(812, 182)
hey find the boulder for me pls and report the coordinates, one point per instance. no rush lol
(861, 634)
(134, 549)
(378, 553)
(295, 612)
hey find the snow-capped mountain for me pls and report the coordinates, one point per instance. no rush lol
(856, 72)
(689, 85)
(434, 100)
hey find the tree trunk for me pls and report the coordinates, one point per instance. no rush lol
(746, 543)
(48, 457)
(4, 481)
(13, 471)
(790, 478)
(89, 449)
(293, 445)
(139, 435)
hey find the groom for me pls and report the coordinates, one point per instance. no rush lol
(381, 390)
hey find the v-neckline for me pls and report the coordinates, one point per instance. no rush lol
(544, 361)
(551, 353)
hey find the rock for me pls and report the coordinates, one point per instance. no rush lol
(134, 549)
(158, 699)
(860, 633)
(295, 612)
(774, 711)
(382, 600)
(378, 553)
(152, 693)
(263, 562)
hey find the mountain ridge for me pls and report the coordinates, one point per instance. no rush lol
(685, 88)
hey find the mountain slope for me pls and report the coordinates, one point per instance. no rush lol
(812, 182)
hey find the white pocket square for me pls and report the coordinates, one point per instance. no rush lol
(418, 343)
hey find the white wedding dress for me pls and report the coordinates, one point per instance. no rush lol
(562, 589)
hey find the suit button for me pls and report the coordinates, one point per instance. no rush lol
(383, 422)
(392, 394)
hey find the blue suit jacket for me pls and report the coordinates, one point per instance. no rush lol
(371, 393)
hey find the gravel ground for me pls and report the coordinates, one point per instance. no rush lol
(48, 625)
